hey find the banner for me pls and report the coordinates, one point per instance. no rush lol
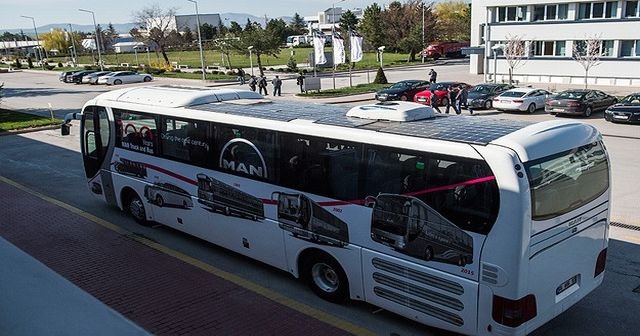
(318, 49)
(356, 47)
(338, 49)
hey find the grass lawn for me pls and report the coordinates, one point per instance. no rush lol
(361, 88)
(10, 120)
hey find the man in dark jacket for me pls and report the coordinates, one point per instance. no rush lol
(461, 98)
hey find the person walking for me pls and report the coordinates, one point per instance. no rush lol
(253, 81)
(277, 86)
(433, 100)
(300, 82)
(262, 85)
(433, 76)
(451, 100)
(241, 76)
(461, 98)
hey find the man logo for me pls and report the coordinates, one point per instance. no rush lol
(242, 156)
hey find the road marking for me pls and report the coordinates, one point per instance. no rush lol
(272, 295)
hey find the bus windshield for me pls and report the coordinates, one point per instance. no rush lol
(567, 181)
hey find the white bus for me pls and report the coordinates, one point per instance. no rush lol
(529, 203)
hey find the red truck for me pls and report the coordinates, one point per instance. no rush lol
(436, 50)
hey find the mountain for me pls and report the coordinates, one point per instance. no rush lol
(241, 18)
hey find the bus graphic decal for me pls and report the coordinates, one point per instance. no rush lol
(306, 219)
(131, 168)
(220, 197)
(165, 194)
(411, 227)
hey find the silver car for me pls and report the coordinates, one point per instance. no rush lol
(122, 77)
(93, 78)
(521, 99)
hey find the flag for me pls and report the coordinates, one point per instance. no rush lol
(338, 49)
(318, 49)
(356, 47)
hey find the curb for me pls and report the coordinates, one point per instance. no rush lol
(29, 130)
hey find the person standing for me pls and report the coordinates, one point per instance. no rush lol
(277, 86)
(253, 81)
(262, 85)
(300, 82)
(433, 100)
(433, 76)
(451, 100)
(461, 98)
(241, 76)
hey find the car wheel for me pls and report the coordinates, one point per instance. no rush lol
(488, 104)
(587, 111)
(444, 101)
(117, 82)
(147, 79)
(531, 108)
(404, 98)
(326, 277)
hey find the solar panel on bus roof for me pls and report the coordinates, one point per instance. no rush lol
(344, 121)
(281, 111)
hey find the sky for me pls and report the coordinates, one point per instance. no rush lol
(121, 11)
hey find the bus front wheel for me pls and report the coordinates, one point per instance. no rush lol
(326, 277)
(135, 207)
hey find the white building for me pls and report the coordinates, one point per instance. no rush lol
(550, 29)
(325, 21)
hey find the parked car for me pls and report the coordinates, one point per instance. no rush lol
(402, 90)
(481, 95)
(64, 74)
(76, 77)
(440, 89)
(521, 99)
(627, 110)
(579, 101)
(92, 78)
(121, 77)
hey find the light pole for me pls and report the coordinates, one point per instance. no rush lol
(422, 51)
(251, 58)
(381, 51)
(148, 57)
(199, 39)
(37, 48)
(333, 32)
(73, 44)
(95, 26)
(135, 51)
(495, 50)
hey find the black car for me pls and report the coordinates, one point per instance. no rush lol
(64, 74)
(579, 101)
(481, 95)
(76, 77)
(628, 110)
(402, 90)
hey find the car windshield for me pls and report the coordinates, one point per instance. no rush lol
(570, 95)
(438, 87)
(513, 94)
(401, 85)
(482, 89)
(631, 100)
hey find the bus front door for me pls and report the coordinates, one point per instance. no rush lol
(96, 135)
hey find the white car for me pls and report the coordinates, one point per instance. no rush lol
(121, 77)
(93, 77)
(521, 99)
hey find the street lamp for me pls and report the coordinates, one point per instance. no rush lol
(37, 48)
(381, 51)
(199, 39)
(135, 51)
(250, 58)
(333, 31)
(73, 44)
(95, 26)
(422, 51)
(495, 49)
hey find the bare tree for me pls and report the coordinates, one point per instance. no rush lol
(587, 53)
(515, 51)
(156, 26)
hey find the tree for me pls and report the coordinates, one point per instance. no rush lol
(278, 28)
(54, 39)
(297, 26)
(381, 78)
(263, 42)
(412, 42)
(454, 20)
(514, 51)
(157, 24)
(235, 28)
(187, 35)
(587, 53)
(207, 31)
(371, 27)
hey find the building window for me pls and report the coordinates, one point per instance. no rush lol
(550, 12)
(630, 48)
(605, 45)
(631, 9)
(548, 48)
(511, 14)
(597, 10)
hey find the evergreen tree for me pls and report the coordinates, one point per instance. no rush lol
(207, 31)
(297, 26)
(381, 78)
(187, 35)
(371, 27)
(278, 28)
(235, 28)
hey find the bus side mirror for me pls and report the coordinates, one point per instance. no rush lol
(65, 128)
(369, 201)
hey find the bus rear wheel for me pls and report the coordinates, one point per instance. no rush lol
(326, 278)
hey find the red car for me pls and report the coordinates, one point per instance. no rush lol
(424, 97)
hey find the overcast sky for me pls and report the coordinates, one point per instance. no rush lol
(121, 11)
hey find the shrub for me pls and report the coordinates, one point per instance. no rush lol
(155, 71)
(60, 65)
(29, 62)
(291, 64)
(50, 67)
(271, 69)
(230, 73)
(17, 64)
(380, 77)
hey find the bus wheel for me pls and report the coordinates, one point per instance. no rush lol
(159, 201)
(326, 278)
(428, 254)
(135, 207)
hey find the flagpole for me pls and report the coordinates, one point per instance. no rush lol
(314, 54)
(350, 55)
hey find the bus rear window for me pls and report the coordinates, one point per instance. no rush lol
(563, 182)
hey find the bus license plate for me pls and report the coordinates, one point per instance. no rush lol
(563, 286)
